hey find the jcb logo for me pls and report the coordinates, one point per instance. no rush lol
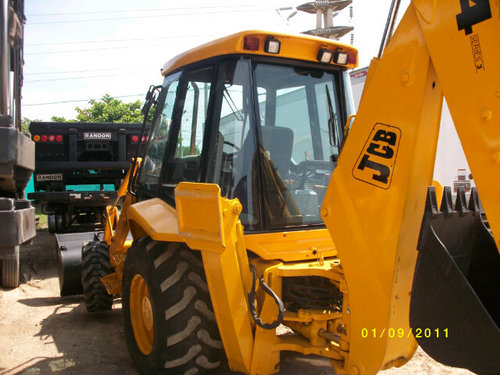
(375, 164)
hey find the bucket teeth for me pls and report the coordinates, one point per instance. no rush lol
(447, 201)
(462, 205)
(461, 202)
(431, 201)
(456, 280)
(474, 204)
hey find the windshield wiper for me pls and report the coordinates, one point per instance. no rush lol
(331, 119)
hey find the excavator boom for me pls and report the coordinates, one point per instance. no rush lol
(376, 198)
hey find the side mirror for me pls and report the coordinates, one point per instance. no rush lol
(151, 98)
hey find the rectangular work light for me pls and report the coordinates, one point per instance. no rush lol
(324, 56)
(341, 58)
(272, 45)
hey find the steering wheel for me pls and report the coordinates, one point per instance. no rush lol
(232, 145)
(309, 168)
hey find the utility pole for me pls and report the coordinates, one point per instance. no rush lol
(325, 11)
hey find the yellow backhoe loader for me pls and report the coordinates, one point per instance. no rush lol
(262, 223)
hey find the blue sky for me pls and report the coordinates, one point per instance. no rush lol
(78, 50)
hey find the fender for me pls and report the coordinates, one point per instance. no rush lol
(155, 219)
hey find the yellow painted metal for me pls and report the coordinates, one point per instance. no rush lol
(467, 67)
(375, 201)
(141, 314)
(268, 345)
(155, 219)
(117, 230)
(210, 223)
(300, 47)
(194, 205)
(292, 246)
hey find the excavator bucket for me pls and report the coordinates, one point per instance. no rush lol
(455, 299)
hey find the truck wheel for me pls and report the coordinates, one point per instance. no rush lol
(10, 271)
(95, 265)
(52, 222)
(62, 221)
(170, 326)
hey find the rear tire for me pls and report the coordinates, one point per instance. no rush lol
(95, 265)
(10, 271)
(169, 323)
(52, 222)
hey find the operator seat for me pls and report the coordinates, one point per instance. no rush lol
(279, 142)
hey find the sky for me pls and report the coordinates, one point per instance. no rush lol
(80, 50)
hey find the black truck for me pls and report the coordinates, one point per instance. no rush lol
(78, 168)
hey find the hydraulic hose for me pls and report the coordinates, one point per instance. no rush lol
(268, 290)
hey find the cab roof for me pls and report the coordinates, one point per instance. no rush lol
(299, 47)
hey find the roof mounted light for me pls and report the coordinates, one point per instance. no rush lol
(251, 43)
(324, 56)
(272, 45)
(340, 57)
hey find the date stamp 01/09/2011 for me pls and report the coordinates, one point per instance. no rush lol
(399, 333)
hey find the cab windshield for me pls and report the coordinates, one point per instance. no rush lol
(280, 139)
(268, 134)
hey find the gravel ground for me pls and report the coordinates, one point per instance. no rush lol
(42, 333)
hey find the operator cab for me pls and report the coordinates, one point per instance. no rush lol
(266, 128)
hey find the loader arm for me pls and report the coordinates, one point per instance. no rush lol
(374, 205)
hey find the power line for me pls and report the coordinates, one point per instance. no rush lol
(73, 78)
(79, 100)
(142, 10)
(122, 40)
(250, 10)
(96, 41)
(86, 71)
(96, 49)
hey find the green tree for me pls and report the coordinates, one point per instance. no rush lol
(25, 125)
(60, 119)
(110, 109)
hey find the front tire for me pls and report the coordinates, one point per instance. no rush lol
(169, 323)
(95, 265)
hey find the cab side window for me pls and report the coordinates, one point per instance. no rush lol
(184, 162)
(149, 176)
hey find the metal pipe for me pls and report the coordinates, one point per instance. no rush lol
(319, 17)
(329, 17)
(389, 26)
(4, 58)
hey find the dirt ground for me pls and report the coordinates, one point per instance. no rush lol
(42, 333)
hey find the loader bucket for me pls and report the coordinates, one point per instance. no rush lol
(69, 254)
(455, 299)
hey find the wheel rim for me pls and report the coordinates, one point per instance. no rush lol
(141, 314)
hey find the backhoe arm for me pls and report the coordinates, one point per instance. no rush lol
(375, 202)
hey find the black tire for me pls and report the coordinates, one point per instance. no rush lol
(63, 219)
(95, 265)
(52, 221)
(10, 271)
(184, 335)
